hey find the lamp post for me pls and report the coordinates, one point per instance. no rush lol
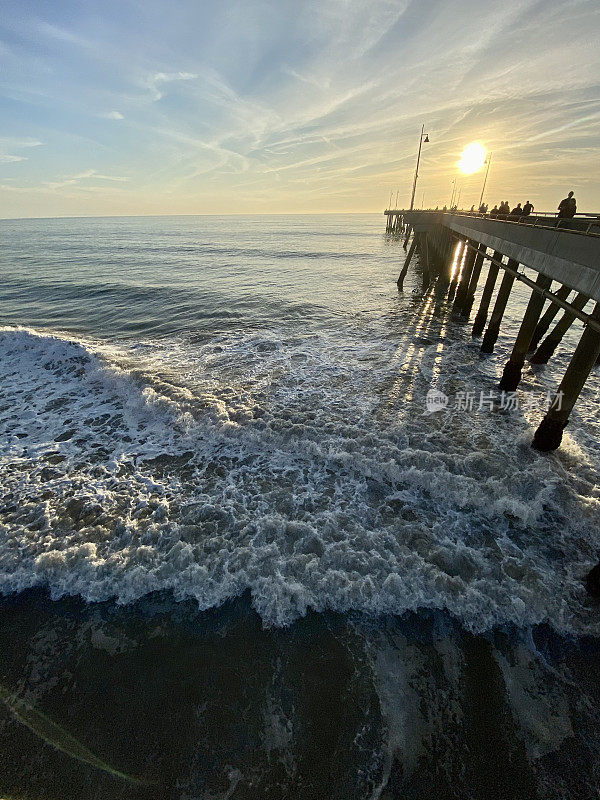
(453, 191)
(422, 138)
(488, 161)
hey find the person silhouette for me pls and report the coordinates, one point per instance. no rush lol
(517, 211)
(567, 207)
(528, 208)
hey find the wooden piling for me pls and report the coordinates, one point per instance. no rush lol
(459, 251)
(493, 329)
(445, 272)
(548, 317)
(511, 376)
(425, 260)
(404, 270)
(473, 281)
(549, 433)
(486, 297)
(546, 350)
(465, 277)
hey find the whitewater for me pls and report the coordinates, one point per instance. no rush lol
(187, 409)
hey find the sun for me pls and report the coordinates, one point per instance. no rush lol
(473, 158)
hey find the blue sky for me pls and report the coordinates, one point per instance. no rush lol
(315, 105)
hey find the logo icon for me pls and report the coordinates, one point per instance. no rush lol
(436, 401)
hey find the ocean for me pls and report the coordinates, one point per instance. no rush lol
(240, 558)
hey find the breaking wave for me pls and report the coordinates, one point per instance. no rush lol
(299, 467)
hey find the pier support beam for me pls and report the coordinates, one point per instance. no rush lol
(486, 297)
(467, 305)
(548, 317)
(402, 275)
(491, 335)
(465, 277)
(546, 350)
(445, 276)
(460, 255)
(425, 260)
(549, 434)
(511, 377)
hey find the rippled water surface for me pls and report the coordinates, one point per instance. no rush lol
(215, 429)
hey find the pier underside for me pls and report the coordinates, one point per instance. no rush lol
(563, 251)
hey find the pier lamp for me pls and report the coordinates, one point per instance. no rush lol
(488, 161)
(424, 137)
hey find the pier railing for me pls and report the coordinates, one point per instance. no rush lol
(587, 223)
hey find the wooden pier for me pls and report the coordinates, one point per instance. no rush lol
(564, 252)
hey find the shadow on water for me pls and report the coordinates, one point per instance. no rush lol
(213, 705)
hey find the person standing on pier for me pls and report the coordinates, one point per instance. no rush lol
(567, 207)
(528, 208)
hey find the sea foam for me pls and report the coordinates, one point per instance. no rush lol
(301, 468)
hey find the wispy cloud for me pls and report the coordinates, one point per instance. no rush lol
(111, 115)
(8, 143)
(156, 82)
(81, 178)
(300, 104)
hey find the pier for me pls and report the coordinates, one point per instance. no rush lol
(564, 254)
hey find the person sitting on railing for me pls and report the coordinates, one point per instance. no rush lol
(495, 211)
(528, 208)
(567, 207)
(483, 208)
(517, 211)
(504, 209)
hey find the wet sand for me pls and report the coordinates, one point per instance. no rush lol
(189, 704)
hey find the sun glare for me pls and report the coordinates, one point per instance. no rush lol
(473, 158)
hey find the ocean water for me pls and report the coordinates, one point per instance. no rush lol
(215, 444)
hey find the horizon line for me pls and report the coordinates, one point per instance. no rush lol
(201, 214)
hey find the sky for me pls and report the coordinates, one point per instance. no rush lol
(115, 107)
